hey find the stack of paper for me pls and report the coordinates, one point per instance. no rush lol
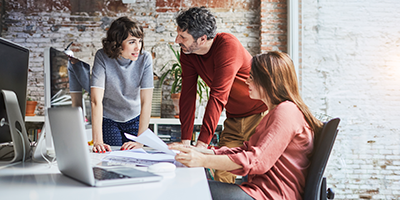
(141, 157)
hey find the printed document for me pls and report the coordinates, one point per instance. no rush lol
(150, 139)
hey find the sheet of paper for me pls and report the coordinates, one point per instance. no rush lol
(136, 157)
(141, 150)
(150, 139)
(143, 156)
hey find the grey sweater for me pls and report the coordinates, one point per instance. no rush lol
(122, 79)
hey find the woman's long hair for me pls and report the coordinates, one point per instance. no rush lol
(275, 73)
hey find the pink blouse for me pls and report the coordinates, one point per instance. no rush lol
(277, 156)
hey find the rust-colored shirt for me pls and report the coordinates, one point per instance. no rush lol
(224, 68)
(276, 157)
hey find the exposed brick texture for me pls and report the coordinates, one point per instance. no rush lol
(57, 23)
(273, 28)
(221, 5)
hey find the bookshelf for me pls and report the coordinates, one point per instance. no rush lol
(174, 121)
(168, 129)
(34, 125)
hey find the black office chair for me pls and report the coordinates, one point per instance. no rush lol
(323, 142)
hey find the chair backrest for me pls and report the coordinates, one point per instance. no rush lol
(323, 143)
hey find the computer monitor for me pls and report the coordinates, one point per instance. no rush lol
(14, 62)
(63, 81)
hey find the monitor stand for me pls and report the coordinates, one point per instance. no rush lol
(40, 152)
(21, 144)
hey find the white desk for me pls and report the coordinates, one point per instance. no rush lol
(38, 181)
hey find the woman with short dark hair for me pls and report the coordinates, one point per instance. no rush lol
(121, 87)
(277, 156)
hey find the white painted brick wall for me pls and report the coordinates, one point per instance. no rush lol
(351, 70)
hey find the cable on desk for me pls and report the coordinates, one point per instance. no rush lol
(39, 144)
(44, 157)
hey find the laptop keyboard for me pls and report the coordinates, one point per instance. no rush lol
(102, 174)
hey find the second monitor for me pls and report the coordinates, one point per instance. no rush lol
(66, 84)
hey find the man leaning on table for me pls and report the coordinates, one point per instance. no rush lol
(224, 64)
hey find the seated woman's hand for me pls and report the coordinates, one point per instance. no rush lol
(131, 145)
(100, 147)
(178, 144)
(201, 144)
(189, 156)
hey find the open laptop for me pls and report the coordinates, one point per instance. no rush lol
(72, 153)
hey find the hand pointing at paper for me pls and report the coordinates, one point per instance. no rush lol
(150, 139)
(131, 145)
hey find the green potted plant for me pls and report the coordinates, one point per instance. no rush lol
(30, 107)
(176, 72)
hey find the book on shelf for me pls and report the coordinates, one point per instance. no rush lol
(33, 134)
